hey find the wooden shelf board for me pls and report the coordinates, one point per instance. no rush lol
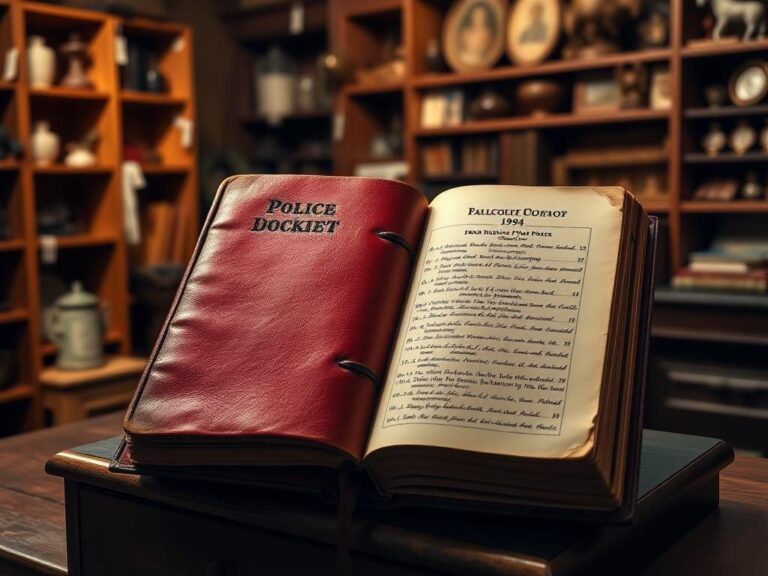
(721, 48)
(69, 94)
(375, 8)
(737, 206)
(64, 12)
(373, 89)
(136, 98)
(601, 159)
(728, 158)
(82, 241)
(7, 165)
(547, 68)
(62, 170)
(11, 245)
(14, 316)
(690, 405)
(110, 338)
(150, 169)
(654, 206)
(727, 111)
(148, 27)
(709, 336)
(717, 299)
(546, 121)
(311, 115)
(6, 86)
(16, 393)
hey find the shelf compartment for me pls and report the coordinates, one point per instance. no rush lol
(725, 207)
(138, 98)
(726, 112)
(548, 121)
(14, 316)
(16, 393)
(546, 69)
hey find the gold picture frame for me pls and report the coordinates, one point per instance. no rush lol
(533, 30)
(473, 34)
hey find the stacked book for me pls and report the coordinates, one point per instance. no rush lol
(721, 269)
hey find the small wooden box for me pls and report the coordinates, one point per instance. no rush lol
(73, 395)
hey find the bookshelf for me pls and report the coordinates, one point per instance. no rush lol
(94, 250)
(298, 140)
(543, 149)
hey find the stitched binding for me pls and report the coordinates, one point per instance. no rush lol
(396, 238)
(360, 369)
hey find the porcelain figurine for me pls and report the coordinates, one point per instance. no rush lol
(750, 12)
(76, 53)
(742, 138)
(81, 153)
(751, 189)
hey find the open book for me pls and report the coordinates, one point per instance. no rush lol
(485, 349)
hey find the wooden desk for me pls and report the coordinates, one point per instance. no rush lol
(732, 541)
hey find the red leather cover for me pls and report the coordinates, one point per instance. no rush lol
(252, 342)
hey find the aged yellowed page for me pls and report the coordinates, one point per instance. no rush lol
(502, 344)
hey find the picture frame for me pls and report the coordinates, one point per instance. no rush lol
(473, 34)
(533, 30)
(748, 84)
(595, 93)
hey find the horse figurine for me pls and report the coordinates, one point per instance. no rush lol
(752, 12)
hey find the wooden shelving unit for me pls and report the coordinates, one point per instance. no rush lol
(671, 136)
(97, 254)
(300, 141)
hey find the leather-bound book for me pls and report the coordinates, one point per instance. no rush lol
(485, 351)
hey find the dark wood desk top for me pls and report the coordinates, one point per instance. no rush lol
(733, 540)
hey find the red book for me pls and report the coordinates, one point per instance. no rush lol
(484, 350)
(255, 338)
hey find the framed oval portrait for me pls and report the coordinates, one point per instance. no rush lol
(533, 30)
(473, 34)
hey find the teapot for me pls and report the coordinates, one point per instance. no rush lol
(76, 324)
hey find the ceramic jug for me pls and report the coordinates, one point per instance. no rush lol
(41, 61)
(76, 324)
(45, 145)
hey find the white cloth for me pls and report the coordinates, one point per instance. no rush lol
(133, 180)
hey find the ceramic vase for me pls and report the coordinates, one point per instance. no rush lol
(45, 145)
(41, 60)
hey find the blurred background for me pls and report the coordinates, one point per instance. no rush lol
(118, 120)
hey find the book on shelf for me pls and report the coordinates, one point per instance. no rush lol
(486, 351)
(751, 280)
